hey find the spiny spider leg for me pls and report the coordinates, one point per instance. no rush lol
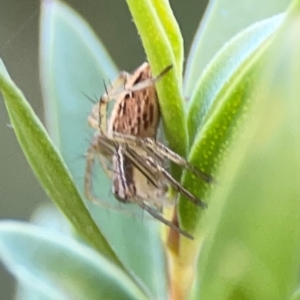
(120, 151)
(124, 183)
(122, 188)
(91, 154)
(138, 161)
(144, 84)
(162, 152)
(175, 183)
(159, 217)
(106, 146)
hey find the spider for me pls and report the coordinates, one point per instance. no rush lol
(127, 143)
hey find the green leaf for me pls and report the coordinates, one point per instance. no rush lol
(49, 167)
(223, 19)
(73, 67)
(253, 230)
(74, 63)
(57, 267)
(48, 217)
(25, 292)
(225, 91)
(296, 295)
(172, 31)
(218, 75)
(161, 39)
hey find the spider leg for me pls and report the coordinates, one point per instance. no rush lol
(121, 151)
(144, 180)
(174, 182)
(123, 181)
(139, 162)
(161, 151)
(94, 152)
(148, 82)
(103, 148)
(159, 217)
(146, 164)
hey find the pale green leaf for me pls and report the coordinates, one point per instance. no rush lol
(218, 107)
(253, 230)
(223, 19)
(159, 43)
(219, 74)
(57, 267)
(74, 64)
(49, 167)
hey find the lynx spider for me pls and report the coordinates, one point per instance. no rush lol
(127, 142)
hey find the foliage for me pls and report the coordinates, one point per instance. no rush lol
(240, 125)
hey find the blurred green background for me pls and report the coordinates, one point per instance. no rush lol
(20, 192)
